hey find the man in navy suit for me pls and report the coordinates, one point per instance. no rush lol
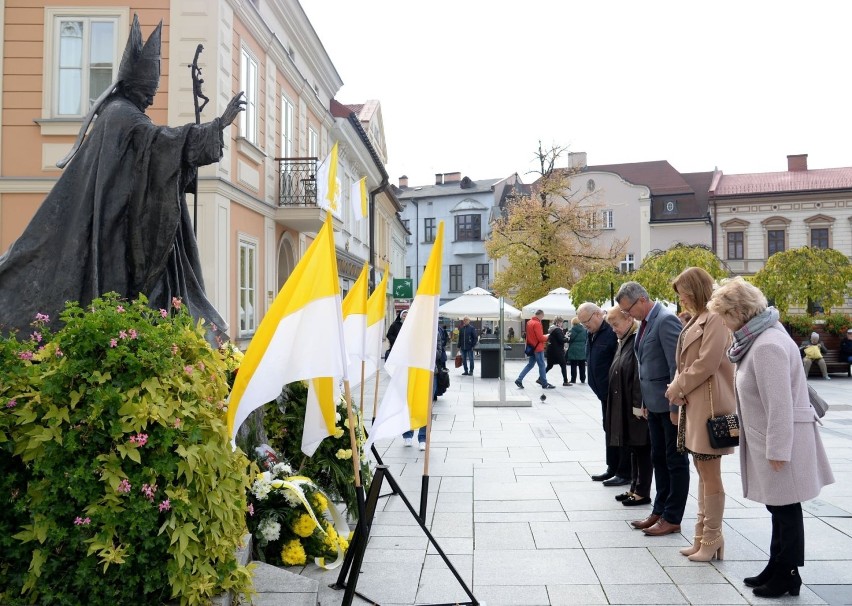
(656, 345)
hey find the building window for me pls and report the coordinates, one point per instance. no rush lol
(408, 271)
(606, 219)
(482, 275)
(670, 207)
(455, 278)
(247, 272)
(313, 143)
(775, 241)
(736, 245)
(819, 237)
(248, 83)
(429, 230)
(468, 227)
(286, 128)
(86, 51)
(628, 265)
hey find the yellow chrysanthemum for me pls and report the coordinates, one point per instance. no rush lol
(320, 502)
(344, 454)
(338, 433)
(293, 553)
(304, 526)
(330, 539)
(344, 544)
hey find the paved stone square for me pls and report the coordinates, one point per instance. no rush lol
(512, 504)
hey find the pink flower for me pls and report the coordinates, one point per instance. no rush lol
(177, 422)
(176, 303)
(142, 439)
(78, 521)
(164, 313)
(250, 509)
(188, 369)
(165, 505)
(122, 334)
(39, 317)
(59, 353)
(133, 334)
(124, 486)
(148, 490)
(36, 336)
(174, 349)
(120, 309)
(11, 403)
(113, 342)
(25, 355)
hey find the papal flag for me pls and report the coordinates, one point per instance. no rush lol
(355, 323)
(411, 363)
(358, 195)
(375, 336)
(328, 186)
(300, 337)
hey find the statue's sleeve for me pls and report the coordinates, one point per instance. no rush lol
(204, 144)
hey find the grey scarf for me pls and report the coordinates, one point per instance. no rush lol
(745, 336)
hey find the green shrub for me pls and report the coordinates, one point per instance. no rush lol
(801, 325)
(122, 483)
(837, 323)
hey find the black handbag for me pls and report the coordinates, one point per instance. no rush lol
(529, 350)
(724, 430)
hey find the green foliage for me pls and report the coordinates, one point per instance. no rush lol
(805, 275)
(331, 465)
(837, 323)
(597, 286)
(660, 267)
(799, 324)
(119, 484)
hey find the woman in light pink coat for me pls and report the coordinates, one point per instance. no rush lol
(782, 459)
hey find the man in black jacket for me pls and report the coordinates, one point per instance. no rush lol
(468, 337)
(601, 346)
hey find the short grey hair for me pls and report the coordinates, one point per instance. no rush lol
(632, 291)
(589, 307)
(738, 300)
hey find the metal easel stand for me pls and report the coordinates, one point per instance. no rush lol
(351, 568)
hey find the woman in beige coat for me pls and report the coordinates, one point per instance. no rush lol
(782, 460)
(703, 387)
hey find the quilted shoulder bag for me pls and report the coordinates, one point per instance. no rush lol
(529, 350)
(724, 430)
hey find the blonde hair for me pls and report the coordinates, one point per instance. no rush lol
(575, 320)
(695, 283)
(738, 300)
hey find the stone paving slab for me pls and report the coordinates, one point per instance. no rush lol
(512, 505)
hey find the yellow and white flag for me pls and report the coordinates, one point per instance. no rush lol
(323, 396)
(328, 186)
(411, 363)
(375, 337)
(355, 323)
(300, 337)
(358, 195)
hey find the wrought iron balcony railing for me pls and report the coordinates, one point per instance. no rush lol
(297, 182)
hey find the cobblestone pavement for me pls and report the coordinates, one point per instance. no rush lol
(512, 504)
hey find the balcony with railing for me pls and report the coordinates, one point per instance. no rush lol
(297, 195)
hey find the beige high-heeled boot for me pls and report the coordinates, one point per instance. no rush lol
(699, 524)
(712, 541)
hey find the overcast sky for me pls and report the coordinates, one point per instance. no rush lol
(472, 85)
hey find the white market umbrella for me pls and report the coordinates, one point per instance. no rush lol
(478, 303)
(556, 303)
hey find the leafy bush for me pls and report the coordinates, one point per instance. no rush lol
(331, 465)
(838, 323)
(800, 324)
(119, 484)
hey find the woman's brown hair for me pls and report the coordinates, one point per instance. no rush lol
(697, 284)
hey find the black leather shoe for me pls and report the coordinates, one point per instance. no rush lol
(761, 578)
(519, 384)
(603, 476)
(616, 481)
(784, 579)
(548, 386)
(538, 381)
(623, 496)
(636, 500)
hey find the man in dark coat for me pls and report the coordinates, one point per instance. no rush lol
(600, 351)
(117, 219)
(555, 352)
(468, 337)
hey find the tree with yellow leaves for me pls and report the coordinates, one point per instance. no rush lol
(549, 238)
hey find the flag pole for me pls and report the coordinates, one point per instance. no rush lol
(376, 397)
(424, 482)
(361, 401)
(356, 454)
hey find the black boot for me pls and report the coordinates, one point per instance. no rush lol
(760, 579)
(784, 579)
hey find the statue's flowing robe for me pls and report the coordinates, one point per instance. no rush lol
(116, 220)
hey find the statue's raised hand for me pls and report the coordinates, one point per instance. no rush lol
(235, 106)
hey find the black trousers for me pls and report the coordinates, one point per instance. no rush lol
(641, 470)
(787, 548)
(560, 362)
(617, 457)
(671, 468)
(575, 364)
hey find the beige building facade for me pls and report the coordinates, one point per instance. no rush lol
(256, 217)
